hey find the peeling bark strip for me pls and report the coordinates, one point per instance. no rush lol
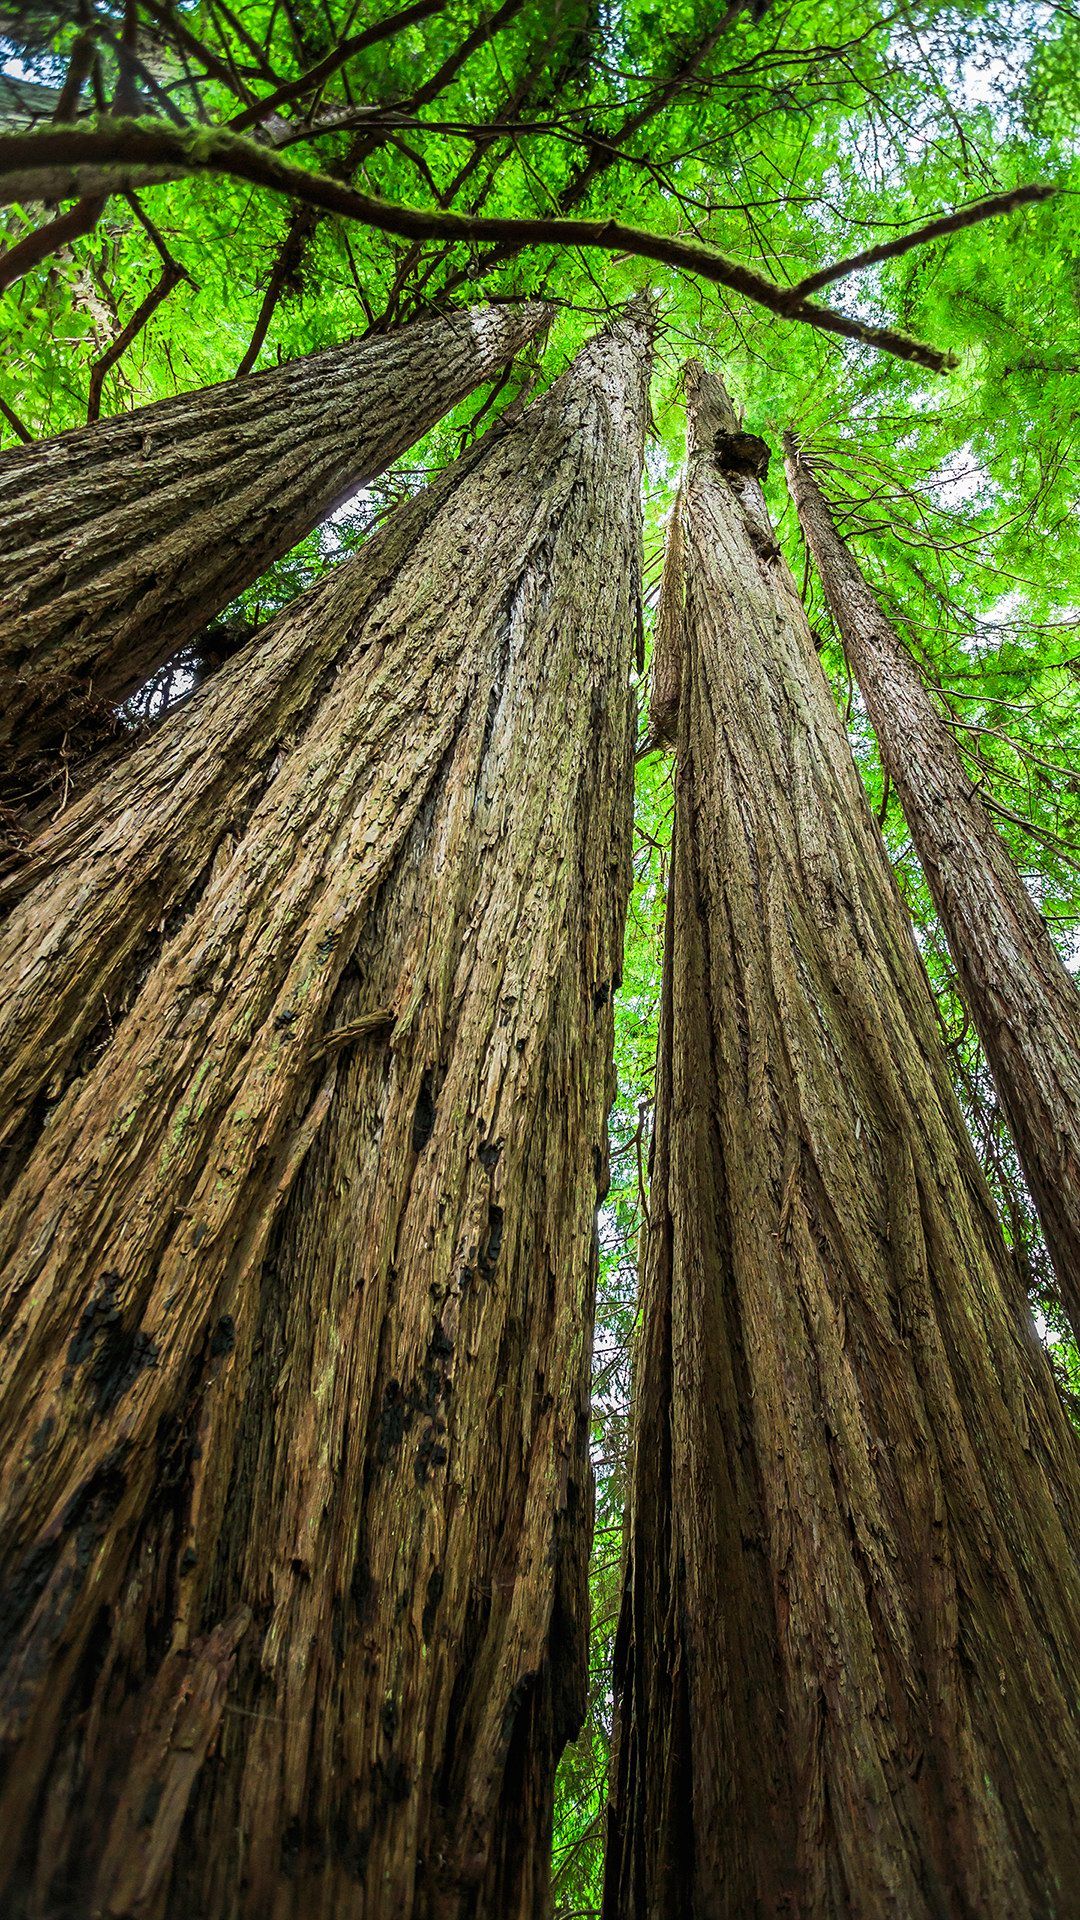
(847, 1664)
(122, 539)
(1025, 1007)
(319, 1228)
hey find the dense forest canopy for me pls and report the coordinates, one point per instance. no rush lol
(198, 189)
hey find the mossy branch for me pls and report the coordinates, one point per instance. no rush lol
(114, 155)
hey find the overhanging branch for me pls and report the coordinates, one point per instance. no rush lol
(988, 209)
(57, 163)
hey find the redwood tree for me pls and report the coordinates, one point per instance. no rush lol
(122, 539)
(97, 893)
(849, 1652)
(296, 1342)
(1024, 1004)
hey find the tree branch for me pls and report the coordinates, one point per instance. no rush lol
(988, 209)
(301, 227)
(607, 152)
(286, 265)
(57, 163)
(170, 274)
(79, 65)
(17, 426)
(324, 69)
(35, 247)
(189, 42)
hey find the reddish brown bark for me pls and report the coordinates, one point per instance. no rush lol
(299, 1277)
(122, 539)
(1024, 1004)
(100, 891)
(847, 1663)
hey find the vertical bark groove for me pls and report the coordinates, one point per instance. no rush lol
(1024, 1005)
(299, 1277)
(122, 539)
(846, 1671)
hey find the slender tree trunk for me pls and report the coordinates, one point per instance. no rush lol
(847, 1664)
(1024, 1004)
(299, 1278)
(122, 539)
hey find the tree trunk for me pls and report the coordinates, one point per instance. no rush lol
(295, 1361)
(1024, 1004)
(93, 896)
(122, 539)
(847, 1663)
(102, 890)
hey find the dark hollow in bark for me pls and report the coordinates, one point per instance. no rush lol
(121, 540)
(847, 1661)
(1024, 1005)
(100, 892)
(294, 1359)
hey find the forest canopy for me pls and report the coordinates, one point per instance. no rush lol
(865, 217)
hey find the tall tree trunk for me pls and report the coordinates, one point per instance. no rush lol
(100, 892)
(847, 1663)
(295, 1356)
(122, 539)
(1025, 1007)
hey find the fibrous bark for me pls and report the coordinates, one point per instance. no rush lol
(847, 1663)
(122, 539)
(98, 893)
(298, 1284)
(1024, 1004)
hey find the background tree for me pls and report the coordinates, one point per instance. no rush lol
(1023, 1002)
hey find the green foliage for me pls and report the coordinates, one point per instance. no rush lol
(583, 1779)
(804, 132)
